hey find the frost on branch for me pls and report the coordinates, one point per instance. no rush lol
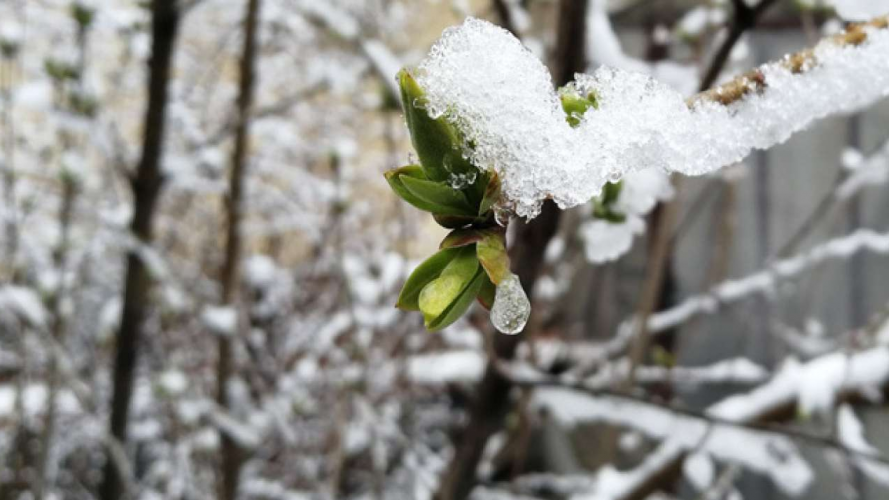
(501, 97)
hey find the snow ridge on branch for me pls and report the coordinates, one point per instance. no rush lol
(501, 97)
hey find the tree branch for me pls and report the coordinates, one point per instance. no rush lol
(231, 452)
(146, 188)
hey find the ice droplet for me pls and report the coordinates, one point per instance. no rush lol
(460, 181)
(511, 306)
(502, 215)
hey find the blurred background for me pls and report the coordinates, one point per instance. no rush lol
(201, 257)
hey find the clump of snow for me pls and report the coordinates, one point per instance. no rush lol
(259, 271)
(501, 97)
(699, 470)
(220, 320)
(640, 192)
(34, 400)
(850, 432)
(172, 382)
(24, 303)
(769, 454)
(815, 385)
(870, 171)
(604, 241)
(697, 20)
(109, 319)
(446, 367)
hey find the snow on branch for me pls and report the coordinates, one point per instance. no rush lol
(764, 281)
(751, 448)
(851, 434)
(814, 386)
(869, 171)
(501, 97)
(731, 429)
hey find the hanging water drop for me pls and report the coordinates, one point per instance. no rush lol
(511, 306)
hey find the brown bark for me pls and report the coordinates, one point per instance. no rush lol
(230, 467)
(491, 401)
(59, 325)
(146, 187)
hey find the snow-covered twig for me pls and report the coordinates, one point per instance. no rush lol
(500, 96)
(872, 170)
(765, 281)
(819, 382)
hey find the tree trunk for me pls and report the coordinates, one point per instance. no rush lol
(229, 274)
(491, 402)
(146, 187)
(58, 332)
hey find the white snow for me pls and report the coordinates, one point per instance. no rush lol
(814, 385)
(850, 432)
(870, 171)
(483, 80)
(172, 382)
(220, 320)
(109, 319)
(24, 303)
(243, 434)
(860, 10)
(604, 48)
(34, 398)
(699, 470)
(640, 192)
(764, 281)
(605, 241)
(446, 367)
(769, 454)
(259, 271)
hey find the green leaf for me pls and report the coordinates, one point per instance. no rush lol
(459, 305)
(487, 293)
(429, 270)
(450, 201)
(492, 194)
(440, 294)
(604, 212)
(453, 221)
(575, 105)
(611, 191)
(394, 178)
(491, 253)
(463, 264)
(438, 299)
(461, 238)
(437, 143)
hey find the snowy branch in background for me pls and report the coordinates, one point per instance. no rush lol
(863, 171)
(481, 79)
(765, 281)
(850, 431)
(815, 386)
(786, 468)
